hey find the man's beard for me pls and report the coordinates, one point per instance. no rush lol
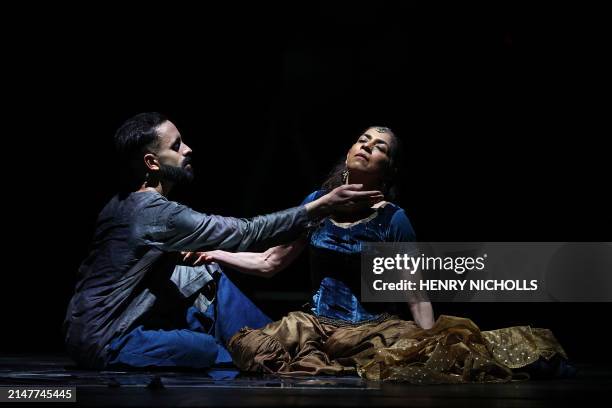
(176, 175)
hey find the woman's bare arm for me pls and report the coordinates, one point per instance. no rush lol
(422, 313)
(265, 264)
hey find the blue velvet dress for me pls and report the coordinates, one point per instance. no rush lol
(298, 343)
(335, 254)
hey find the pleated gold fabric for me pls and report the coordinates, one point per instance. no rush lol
(454, 350)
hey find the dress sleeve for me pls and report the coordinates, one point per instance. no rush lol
(400, 228)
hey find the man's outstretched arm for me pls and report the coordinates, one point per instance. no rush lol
(189, 230)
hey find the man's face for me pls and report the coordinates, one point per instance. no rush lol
(173, 154)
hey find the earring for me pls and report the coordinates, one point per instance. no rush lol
(345, 174)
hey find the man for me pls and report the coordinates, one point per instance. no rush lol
(135, 304)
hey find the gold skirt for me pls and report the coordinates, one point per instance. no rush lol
(454, 350)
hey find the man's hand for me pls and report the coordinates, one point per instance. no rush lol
(347, 196)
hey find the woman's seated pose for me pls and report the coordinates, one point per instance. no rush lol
(339, 335)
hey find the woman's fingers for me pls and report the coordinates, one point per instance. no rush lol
(191, 257)
(202, 259)
(199, 260)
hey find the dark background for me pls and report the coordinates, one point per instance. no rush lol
(504, 113)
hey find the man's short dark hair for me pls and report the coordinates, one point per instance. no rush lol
(136, 134)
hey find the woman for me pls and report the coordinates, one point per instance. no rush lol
(338, 335)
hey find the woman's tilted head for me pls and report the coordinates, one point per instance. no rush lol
(373, 160)
(371, 153)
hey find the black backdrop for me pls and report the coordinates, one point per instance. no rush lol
(501, 108)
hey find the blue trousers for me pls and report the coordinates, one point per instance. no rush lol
(201, 345)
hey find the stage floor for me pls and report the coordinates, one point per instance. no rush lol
(228, 387)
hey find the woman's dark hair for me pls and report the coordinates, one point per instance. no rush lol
(390, 189)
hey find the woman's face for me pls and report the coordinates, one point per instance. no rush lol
(371, 153)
